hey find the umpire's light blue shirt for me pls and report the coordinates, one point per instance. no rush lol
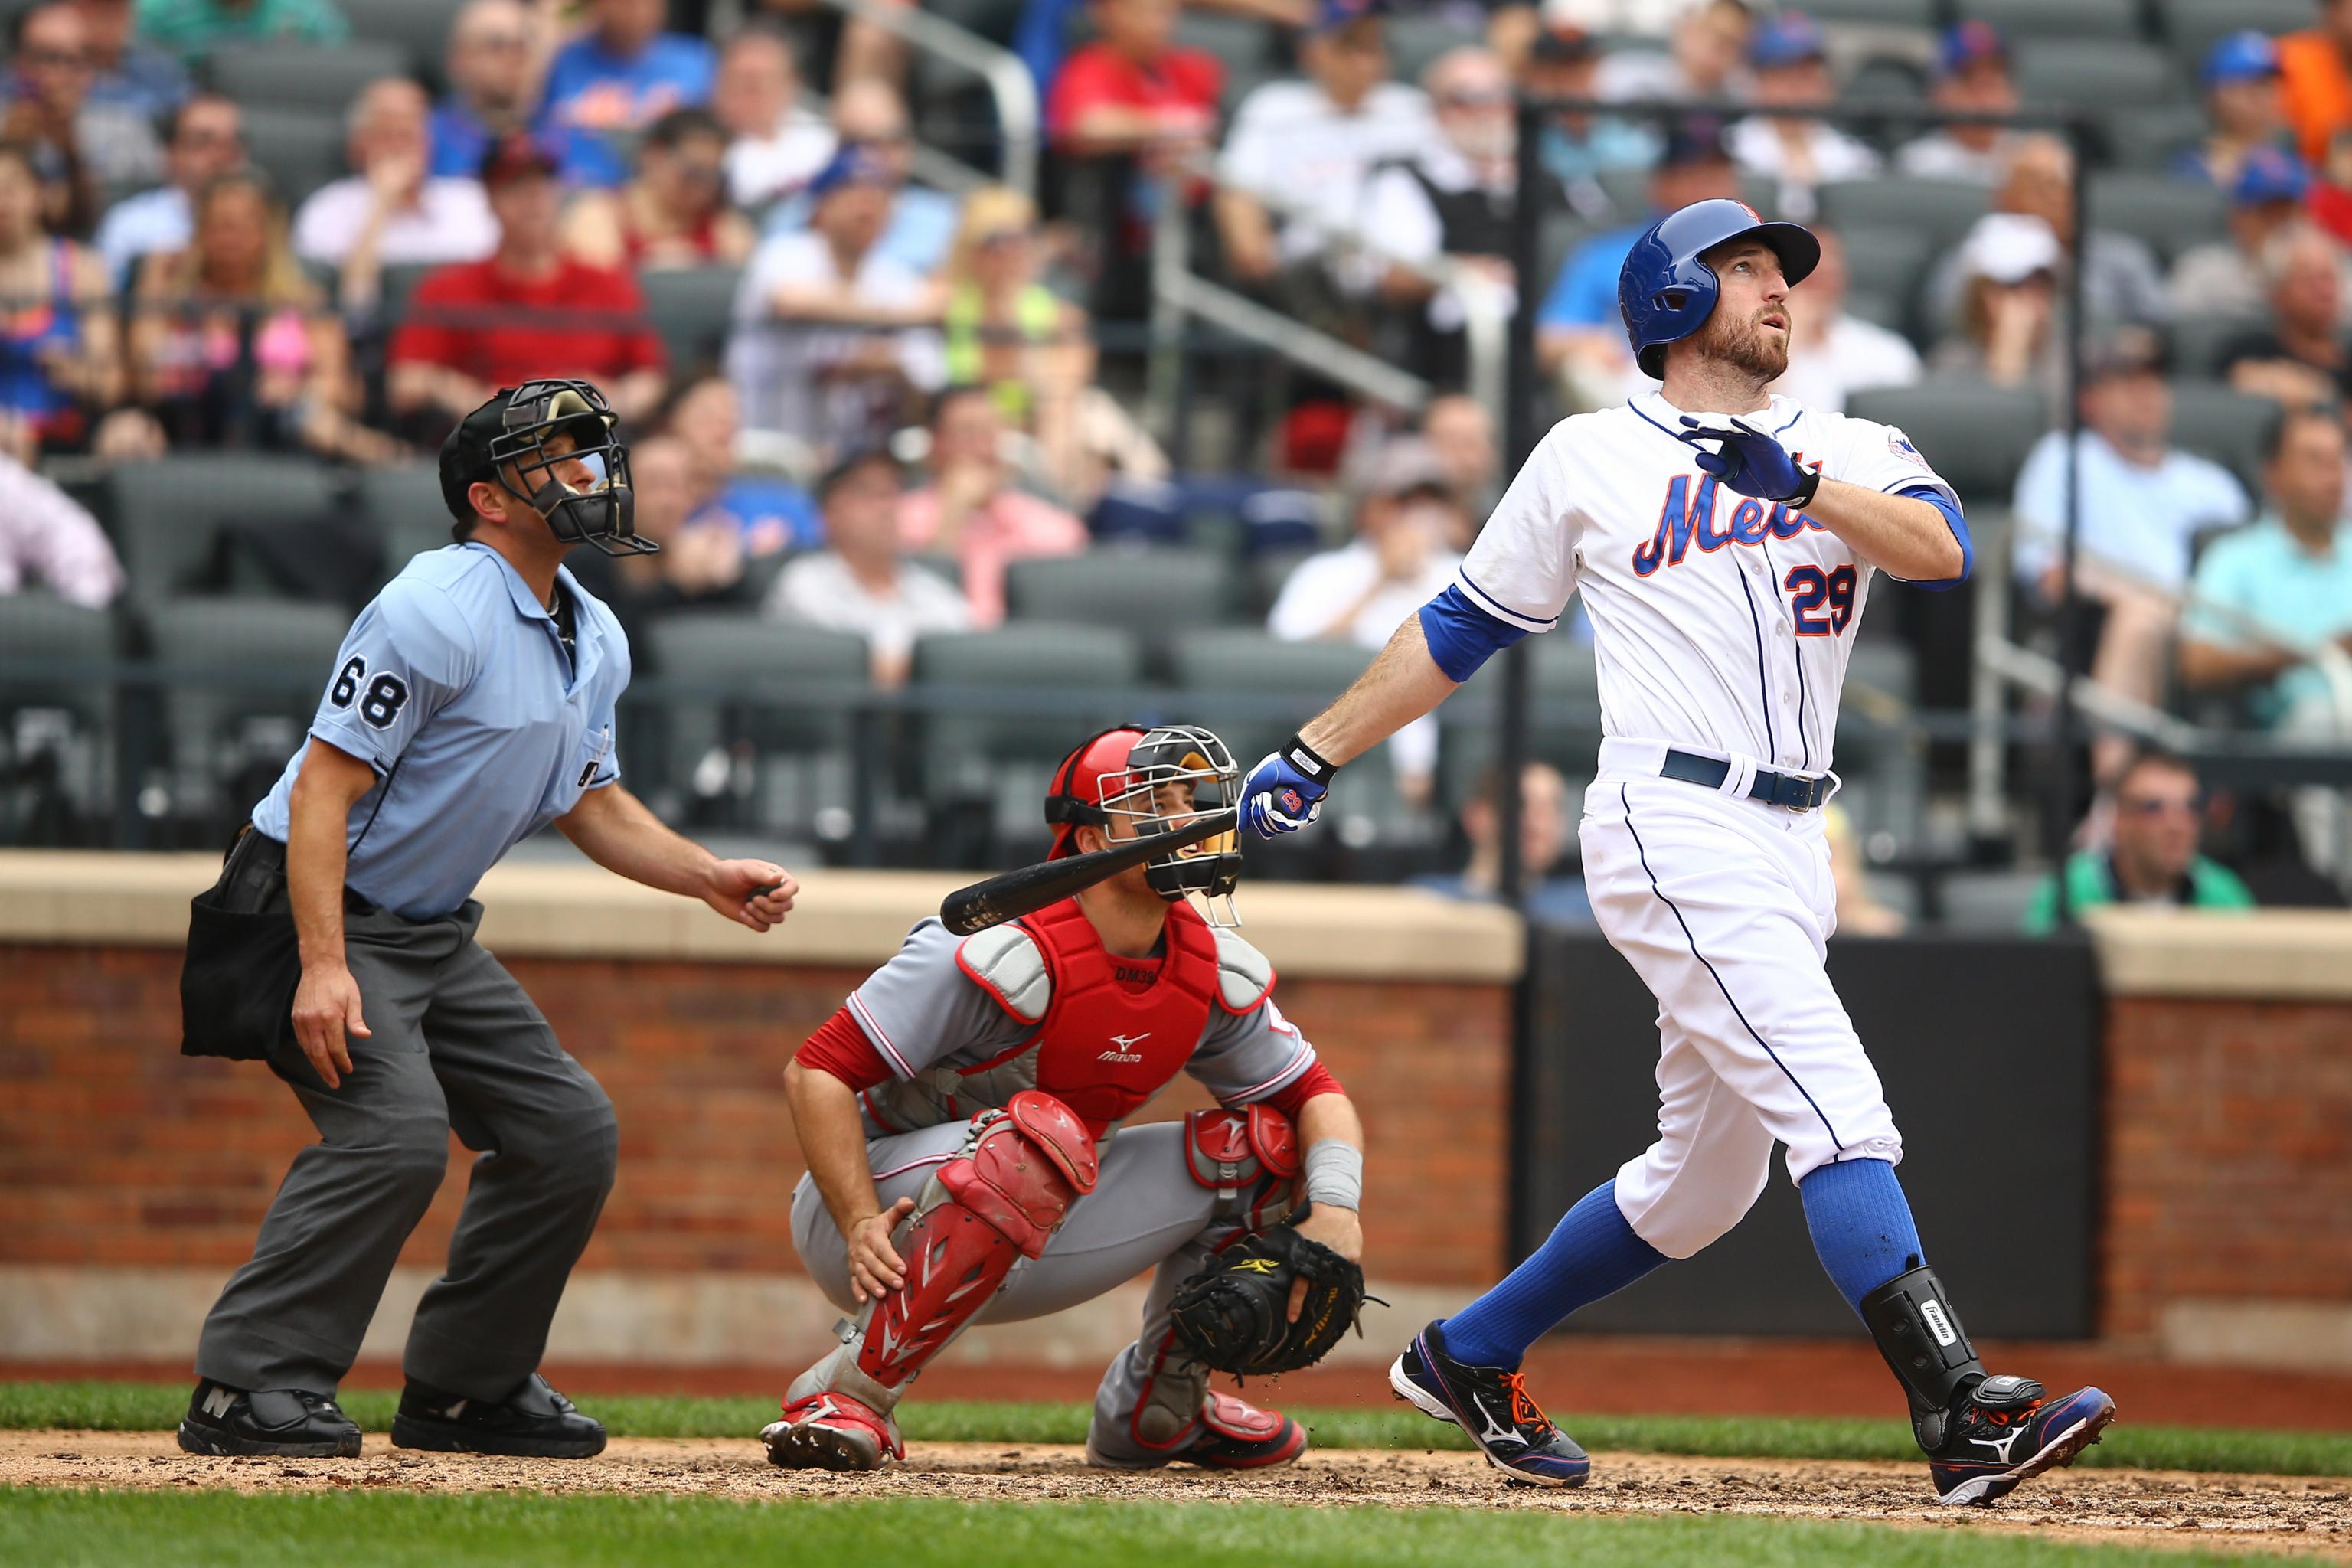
(452, 687)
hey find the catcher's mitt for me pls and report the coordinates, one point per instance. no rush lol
(1235, 1314)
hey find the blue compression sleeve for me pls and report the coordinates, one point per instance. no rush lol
(1861, 1224)
(1591, 1253)
(1461, 636)
(1960, 524)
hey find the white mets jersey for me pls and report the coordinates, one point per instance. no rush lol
(1720, 623)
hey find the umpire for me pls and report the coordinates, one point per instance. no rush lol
(472, 703)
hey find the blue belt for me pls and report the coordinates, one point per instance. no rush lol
(1773, 789)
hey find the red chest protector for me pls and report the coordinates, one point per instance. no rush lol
(1102, 1049)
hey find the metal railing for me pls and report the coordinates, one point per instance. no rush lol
(1005, 75)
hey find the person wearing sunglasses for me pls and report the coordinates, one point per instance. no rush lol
(2152, 858)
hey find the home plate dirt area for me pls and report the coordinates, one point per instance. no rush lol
(2304, 1515)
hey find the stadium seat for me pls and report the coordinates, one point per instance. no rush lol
(1889, 262)
(1940, 211)
(983, 771)
(77, 710)
(2190, 26)
(303, 75)
(1884, 770)
(991, 19)
(397, 285)
(1921, 14)
(1235, 40)
(690, 307)
(765, 672)
(1975, 435)
(2197, 341)
(1989, 901)
(2104, 19)
(2213, 420)
(420, 28)
(2086, 73)
(403, 506)
(166, 512)
(1415, 40)
(2171, 214)
(2152, 135)
(300, 149)
(245, 686)
(1152, 594)
(1565, 715)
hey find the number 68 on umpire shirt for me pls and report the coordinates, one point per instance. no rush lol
(455, 686)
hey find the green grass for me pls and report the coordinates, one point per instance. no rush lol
(365, 1529)
(145, 1407)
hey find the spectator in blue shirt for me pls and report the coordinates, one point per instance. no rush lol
(497, 57)
(126, 73)
(1579, 335)
(617, 79)
(1578, 149)
(922, 224)
(2240, 79)
(207, 141)
(1544, 834)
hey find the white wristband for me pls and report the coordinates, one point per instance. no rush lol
(1334, 1174)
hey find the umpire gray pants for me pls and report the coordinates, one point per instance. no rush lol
(1146, 1211)
(455, 1045)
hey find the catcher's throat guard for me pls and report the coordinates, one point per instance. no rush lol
(603, 514)
(1156, 779)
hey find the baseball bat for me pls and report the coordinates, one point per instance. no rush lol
(1010, 893)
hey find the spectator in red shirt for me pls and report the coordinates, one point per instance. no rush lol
(466, 336)
(1132, 89)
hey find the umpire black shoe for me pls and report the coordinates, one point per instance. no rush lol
(279, 1422)
(1491, 1404)
(533, 1422)
(2008, 1429)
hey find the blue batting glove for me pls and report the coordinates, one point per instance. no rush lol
(1285, 792)
(1750, 461)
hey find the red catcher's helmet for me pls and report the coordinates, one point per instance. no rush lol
(1094, 774)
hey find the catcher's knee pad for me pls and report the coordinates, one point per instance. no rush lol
(1248, 1156)
(998, 1200)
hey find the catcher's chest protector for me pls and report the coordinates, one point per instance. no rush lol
(1100, 1048)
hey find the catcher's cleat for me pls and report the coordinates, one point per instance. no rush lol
(533, 1422)
(2006, 1430)
(276, 1423)
(1494, 1406)
(830, 1431)
(1237, 1436)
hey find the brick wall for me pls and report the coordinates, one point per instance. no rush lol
(2228, 1155)
(116, 1150)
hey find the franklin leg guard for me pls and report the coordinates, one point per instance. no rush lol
(995, 1203)
(1920, 1336)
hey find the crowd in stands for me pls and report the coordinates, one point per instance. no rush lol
(862, 386)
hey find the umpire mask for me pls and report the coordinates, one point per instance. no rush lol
(604, 513)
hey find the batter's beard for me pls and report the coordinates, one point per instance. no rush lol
(1743, 346)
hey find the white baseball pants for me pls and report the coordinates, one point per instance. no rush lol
(1724, 906)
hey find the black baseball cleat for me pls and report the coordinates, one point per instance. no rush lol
(1494, 1406)
(2006, 1430)
(279, 1422)
(533, 1422)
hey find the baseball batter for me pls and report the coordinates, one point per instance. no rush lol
(1724, 541)
(961, 1116)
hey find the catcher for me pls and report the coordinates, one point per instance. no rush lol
(961, 1116)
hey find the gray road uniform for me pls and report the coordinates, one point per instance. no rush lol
(959, 1026)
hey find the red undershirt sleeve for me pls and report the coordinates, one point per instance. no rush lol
(841, 1048)
(1314, 1080)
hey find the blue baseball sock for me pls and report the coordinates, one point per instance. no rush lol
(1861, 1224)
(1591, 1253)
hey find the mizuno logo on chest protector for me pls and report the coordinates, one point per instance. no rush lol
(1689, 515)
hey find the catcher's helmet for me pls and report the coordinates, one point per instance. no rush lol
(1130, 771)
(1665, 292)
(513, 427)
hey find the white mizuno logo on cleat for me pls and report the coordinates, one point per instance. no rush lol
(2000, 1446)
(458, 1409)
(826, 1407)
(1499, 1434)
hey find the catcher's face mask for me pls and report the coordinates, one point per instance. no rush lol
(1172, 775)
(584, 492)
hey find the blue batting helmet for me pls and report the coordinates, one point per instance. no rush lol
(1665, 292)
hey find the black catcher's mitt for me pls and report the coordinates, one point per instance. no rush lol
(1235, 1314)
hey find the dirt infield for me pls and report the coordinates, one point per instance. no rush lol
(2302, 1515)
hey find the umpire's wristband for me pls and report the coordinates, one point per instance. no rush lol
(1303, 757)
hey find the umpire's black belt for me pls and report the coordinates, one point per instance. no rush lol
(1774, 789)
